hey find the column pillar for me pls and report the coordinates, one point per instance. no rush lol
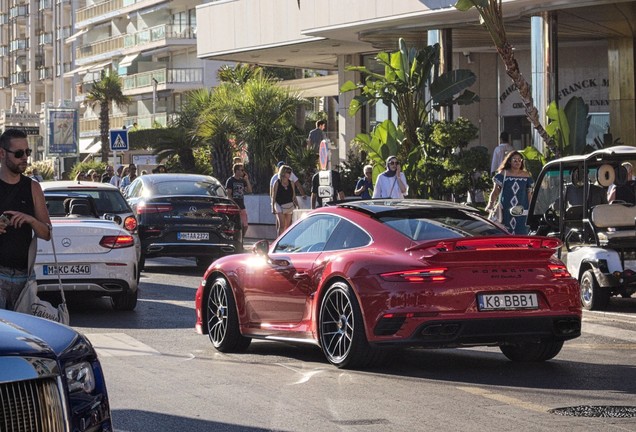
(444, 39)
(622, 89)
(544, 61)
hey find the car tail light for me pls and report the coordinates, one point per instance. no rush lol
(145, 208)
(130, 223)
(559, 271)
(436, 274)
(116, 242)
(229, 209)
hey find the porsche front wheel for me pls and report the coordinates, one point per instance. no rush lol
(222, 319)
(342, 335)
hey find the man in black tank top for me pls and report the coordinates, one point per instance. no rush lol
(23, 211)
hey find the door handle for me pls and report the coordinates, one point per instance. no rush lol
(301, 276)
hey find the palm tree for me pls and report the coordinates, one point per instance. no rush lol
(491, 17)
(105, 92)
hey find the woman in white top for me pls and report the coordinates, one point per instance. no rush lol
(392, 182)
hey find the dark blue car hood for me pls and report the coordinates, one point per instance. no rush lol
(22, 334)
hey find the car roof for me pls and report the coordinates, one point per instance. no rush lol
(170, 177)
(597, 157)
(377, 206)
(75, 185)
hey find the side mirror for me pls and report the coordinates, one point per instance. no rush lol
(261, 247)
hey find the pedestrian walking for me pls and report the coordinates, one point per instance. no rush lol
(317, 135)
(392, 182)
(128, 179)
(326, 187)
(23, 213)
(364, 187)
(115, 180)
(283, 199)
(500, 152)
(236, 187)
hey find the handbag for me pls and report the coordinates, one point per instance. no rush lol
(28, 301)
(496, 214)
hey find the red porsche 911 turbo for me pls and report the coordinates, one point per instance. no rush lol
(363, 276)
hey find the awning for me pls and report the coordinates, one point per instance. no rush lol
(86, 68)
(128, 60)
(326, 85)
(90, 145)
(74, 37)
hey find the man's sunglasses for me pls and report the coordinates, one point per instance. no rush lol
(19, 153)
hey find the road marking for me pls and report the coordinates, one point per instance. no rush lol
(119, 345)
(505, 399)
(600, 346)
(609, 332)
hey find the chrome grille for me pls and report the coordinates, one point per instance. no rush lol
(31, 406)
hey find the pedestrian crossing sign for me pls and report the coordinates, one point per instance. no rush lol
(118, 139)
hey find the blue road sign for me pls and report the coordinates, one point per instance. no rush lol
(118, 139)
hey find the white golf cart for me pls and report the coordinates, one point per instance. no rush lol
(570, 202)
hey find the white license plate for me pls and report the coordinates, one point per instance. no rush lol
(193, 236)
(76, 269)
(488, 302)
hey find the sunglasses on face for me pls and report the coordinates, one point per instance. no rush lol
(19, 153)
(516, 160)
(394, 163)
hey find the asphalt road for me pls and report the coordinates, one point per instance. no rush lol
(162, 376)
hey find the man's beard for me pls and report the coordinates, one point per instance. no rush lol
(16, 168)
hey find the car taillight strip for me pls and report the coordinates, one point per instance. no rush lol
(559, 271)
(428, 274)
(116, 242)
(489, 243)
(226, 209)
(153, 208)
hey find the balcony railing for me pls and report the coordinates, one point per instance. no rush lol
(164, 76)
(45, 73)
(4, 50)
(158, 33)
(44, 4)
(19, 78)
(4, 18)
(18, 45)
(4, 82)
(90, 126)
(20, 11)
(101, 47)
(45, 38)
(61, 69)
(98, 9)
(64, 32)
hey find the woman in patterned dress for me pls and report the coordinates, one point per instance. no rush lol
(513, 185)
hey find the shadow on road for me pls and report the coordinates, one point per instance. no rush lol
(128, 420)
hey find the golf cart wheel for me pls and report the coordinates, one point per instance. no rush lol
(593, 297)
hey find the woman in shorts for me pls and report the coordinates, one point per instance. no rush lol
(284, 198)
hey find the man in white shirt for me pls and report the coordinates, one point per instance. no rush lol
(115, 180)
(500, 152)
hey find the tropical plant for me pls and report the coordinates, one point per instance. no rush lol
(304, 162)
(383, 141)
(351, 169)
(491, 17)
(105, 93)
(264, 115)
(411, 85)
(85, 166)
(568, 126)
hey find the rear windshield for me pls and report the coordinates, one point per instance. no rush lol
(434, 224)
(106, 201)
(188, 187)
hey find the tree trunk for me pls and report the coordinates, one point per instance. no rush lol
(104, 126)
(221, 159)
(512, 69)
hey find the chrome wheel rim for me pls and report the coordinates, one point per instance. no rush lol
(336, 325)
(586, 290)
(217, 313)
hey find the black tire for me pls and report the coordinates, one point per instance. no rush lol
(125, 301)
(341, 330)
(222, 319)
(532, 352)
(593, 297)
(204, 262)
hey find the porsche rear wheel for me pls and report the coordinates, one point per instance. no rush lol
(593, 297)
(532, 352)
(222, 319)
(342, 336)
